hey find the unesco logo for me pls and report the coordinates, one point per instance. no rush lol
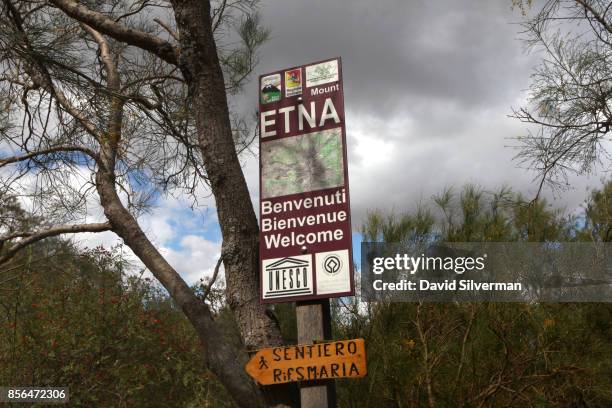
(332, 264)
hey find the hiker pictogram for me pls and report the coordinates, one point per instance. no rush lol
(262, 363)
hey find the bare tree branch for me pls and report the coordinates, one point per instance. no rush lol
(571, 92)
(56, 149)
(41, 77)
(166, 27)
(31, 237)
(114, 85)
(600, 19)
(213, 279)
(119, 32)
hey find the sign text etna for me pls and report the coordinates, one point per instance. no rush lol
(305, 238)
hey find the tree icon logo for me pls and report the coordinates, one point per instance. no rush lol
(332, 264)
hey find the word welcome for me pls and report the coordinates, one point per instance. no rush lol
(282, 231)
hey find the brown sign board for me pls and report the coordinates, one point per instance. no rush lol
(305, 224)
(309, 362)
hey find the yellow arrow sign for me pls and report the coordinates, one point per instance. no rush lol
(308, 362)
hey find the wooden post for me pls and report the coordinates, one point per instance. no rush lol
(313, 325)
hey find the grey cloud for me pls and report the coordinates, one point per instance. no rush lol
(428, 86)
(394, 51)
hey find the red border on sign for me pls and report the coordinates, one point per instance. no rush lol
(287, 101)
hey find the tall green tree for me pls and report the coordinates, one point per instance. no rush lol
(131, 97)
(79, 319)
(481, 354)
(89, 320)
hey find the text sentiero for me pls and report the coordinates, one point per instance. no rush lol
(308, 362)
(342, 367)
(286, 223)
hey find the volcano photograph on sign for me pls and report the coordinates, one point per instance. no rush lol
(302, 163)
(305, 226)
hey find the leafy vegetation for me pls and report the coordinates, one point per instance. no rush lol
(78, 318)
(483, 354)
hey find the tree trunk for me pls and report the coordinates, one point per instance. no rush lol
(224, 355)
(200, 66)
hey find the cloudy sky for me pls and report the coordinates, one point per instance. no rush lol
(428, 87)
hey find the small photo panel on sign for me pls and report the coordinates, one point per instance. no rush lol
(293, 82)
(322, 73)
(333, 272)
(271, 88)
